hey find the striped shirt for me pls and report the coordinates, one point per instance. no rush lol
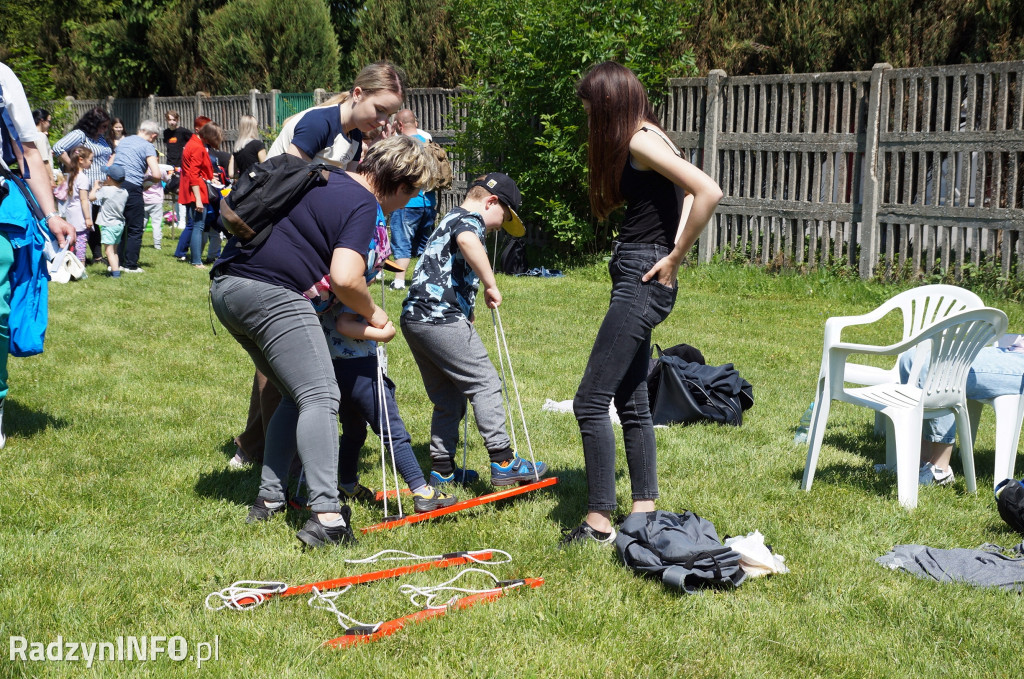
(99, 146)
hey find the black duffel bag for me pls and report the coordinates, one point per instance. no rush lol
(682, 392)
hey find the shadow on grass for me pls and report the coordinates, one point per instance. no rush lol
(571, 493)
(239, 486)
(872, 449)
(24, 422)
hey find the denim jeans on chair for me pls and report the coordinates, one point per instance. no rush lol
(995, 372)
(617, 370)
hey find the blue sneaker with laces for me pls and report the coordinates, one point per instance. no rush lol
(516, 470)
(459, 475)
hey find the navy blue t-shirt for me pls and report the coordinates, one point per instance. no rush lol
(298, 251)
(319, 132)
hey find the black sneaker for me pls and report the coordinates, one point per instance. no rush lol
(585, 533)
(315, 534)
(360, 494)
(434, 499)
(261, 512)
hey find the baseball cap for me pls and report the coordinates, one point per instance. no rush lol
(502, 186)
(115, 172)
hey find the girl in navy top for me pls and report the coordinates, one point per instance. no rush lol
(668, 204)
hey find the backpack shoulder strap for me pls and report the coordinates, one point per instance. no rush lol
(11, 150)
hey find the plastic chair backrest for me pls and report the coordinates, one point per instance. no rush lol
(926, 305)
(954, 344)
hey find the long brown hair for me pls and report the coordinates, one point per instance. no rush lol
(618, 107)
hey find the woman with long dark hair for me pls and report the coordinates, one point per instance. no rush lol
(668, 203)
(89, 131)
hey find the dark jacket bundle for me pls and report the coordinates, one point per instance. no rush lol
(684, 391)
(682, 550)
(1010, 503)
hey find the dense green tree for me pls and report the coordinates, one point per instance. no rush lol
(343, 19)
(270, 44)
(174, 44)
(522, 114)
(418, 35)
(794, 36)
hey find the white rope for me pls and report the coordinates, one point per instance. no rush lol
(384, 424)
(409, 556)
(515, 386)
(253, 592)
(506, 399)
(325, 602)
(430, 593)
(465, 438)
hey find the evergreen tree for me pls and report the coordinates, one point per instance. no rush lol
(270, 44)
(418, 35)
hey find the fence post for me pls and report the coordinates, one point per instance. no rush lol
(252, 106)
(273, 107)
(152, 107)
(706, 245)
(319, 96)
(110, 104)
(872, 193)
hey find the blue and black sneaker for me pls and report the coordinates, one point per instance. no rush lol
(461, 476)
(516, 470)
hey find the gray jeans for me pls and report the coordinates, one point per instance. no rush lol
(455, 366)
(282, 334)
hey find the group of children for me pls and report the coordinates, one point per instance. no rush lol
(437, 322)
(111, 198)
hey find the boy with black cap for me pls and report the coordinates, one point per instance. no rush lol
(110, 220)
(437, 322)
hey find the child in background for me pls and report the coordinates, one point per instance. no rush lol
(437, 323)
(153, 200)
(78, 209)
(111, 198)
(353, 346)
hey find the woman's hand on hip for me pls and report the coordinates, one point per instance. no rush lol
(665, 271)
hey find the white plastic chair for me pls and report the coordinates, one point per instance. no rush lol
(920, 307)
(1009, 416)
(946, 350)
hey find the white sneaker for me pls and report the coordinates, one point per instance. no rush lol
(930, 474)
(137, 269)
(397, 284)
(240, 460)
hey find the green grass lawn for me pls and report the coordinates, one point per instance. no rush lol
(119, 515)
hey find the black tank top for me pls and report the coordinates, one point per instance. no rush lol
(652, 207)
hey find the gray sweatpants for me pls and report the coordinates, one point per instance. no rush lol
(455, 366)
(282, 334)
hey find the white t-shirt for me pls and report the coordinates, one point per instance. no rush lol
(336, 149)
(17, 106)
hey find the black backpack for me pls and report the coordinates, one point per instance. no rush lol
(265, 194)
(1010, 502)
(681, 550)
(513, 257)
(681, 391)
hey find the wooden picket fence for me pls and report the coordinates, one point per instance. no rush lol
(913, 170)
